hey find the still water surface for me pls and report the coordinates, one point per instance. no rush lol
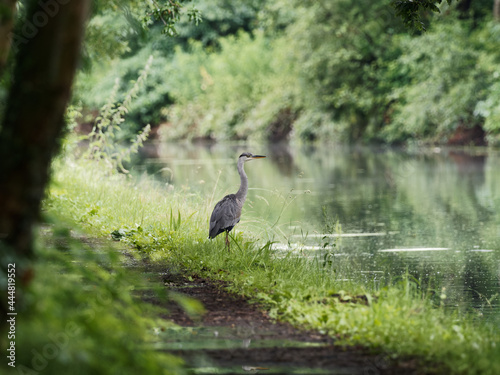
(372, 214)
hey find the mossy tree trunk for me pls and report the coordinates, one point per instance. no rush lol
(48, 45)
(7, 11)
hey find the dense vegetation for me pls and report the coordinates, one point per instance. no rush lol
(343, 70)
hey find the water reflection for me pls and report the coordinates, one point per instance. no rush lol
(377, 212)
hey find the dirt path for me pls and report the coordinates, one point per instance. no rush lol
(236, 337)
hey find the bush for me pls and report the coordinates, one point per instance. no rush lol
(242, 91)
(489, 107)
(342, 49)
(95, 88)
(444, 84)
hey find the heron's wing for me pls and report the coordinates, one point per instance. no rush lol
(225, 216)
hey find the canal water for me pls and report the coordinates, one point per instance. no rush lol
(375, 214)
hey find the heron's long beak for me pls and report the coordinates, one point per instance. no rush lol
(257, 157)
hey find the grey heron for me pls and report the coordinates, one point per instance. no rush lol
(227, 211)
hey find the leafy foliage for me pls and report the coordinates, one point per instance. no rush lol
(447, 83)
(410, 10)
(169, 13)
(488, 107)
(326, 70)
(220, 97)
(221, 18)
(102, 139)
(343, 64)
(118, 27)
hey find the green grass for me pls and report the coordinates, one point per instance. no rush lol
(81, 314)
(172, 226)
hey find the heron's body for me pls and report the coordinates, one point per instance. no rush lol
(227, 211)
(225, 216)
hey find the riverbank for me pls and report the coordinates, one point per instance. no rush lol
(98, 307)
(236, 335)
(302, 291)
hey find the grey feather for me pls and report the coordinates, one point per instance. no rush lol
(226, 215)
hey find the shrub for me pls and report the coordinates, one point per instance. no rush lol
(443, 84)
(238, 92)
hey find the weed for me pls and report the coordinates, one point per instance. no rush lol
(175, 224)
(102, 139)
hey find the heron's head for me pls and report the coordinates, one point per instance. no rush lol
(246, 156)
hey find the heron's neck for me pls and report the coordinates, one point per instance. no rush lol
(242, 192)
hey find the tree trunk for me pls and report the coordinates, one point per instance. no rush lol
(48, 51)
(496, 10)
(7, 11)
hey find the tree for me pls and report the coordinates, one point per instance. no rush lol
(48, 43)
(34, 117)
(49, 46)
(7, 8)
(343, 47)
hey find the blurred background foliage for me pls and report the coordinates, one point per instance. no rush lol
(339, 70)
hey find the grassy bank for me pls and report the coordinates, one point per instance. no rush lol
(173, 226)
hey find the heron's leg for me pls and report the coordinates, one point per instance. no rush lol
(227, 240)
